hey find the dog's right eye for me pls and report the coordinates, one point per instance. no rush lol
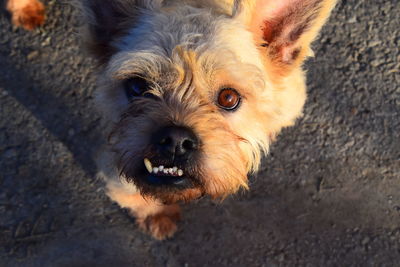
(135, 87)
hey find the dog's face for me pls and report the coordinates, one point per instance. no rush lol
(195, 93)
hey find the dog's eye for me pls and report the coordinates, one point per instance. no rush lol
(228, 99)
(135, 87)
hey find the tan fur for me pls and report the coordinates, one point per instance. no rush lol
(152, 216)
(188, 51)
(28, 14)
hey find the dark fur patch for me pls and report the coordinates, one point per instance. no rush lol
(108, 21)
(296, 53)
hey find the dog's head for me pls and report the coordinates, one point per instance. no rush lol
(196, 90)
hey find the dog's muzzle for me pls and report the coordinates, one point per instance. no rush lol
(176, 146)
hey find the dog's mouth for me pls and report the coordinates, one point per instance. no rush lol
(161, 170)
(158, 174)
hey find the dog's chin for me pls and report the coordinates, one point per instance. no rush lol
(168, 189)
(184, 196)
(170, 195)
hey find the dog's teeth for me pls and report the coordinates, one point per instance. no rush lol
(148, 165)
(161, 169)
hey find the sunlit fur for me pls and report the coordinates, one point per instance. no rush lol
(188, 51)
(26, 13)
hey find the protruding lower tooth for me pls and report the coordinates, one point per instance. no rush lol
(148, 165)
(180, 172)
(155, 170)
(174, 169)
(170, 170)
(166, 171)
(161, 168)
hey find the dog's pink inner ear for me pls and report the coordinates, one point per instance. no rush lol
(285, 27)
(282, 32)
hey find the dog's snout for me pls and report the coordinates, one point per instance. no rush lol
(176, 141)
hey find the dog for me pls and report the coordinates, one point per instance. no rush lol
(193, 92)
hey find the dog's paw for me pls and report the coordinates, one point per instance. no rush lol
(161, 226)
(29, 16)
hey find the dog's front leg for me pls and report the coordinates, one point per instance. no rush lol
(26, 13)
(152, 216)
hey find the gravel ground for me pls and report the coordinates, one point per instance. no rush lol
(328, 194)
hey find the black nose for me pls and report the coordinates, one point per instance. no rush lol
(176, 141)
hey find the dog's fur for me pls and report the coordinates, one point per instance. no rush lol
(188, 50)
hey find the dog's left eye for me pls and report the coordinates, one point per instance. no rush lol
(135, 87)
(228, 99)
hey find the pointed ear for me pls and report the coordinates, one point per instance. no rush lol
(108, 20)
(284, 29)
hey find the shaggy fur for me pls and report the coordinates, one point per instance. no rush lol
(188, 51)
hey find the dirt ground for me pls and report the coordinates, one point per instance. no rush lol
(327, 195)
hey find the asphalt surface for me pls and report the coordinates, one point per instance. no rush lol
(327, 195)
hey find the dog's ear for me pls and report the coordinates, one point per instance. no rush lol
(283, 29)
(108, 20)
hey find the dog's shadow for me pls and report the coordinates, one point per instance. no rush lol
(56, 116)
(49, 133)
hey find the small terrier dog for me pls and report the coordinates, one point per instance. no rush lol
(194, 92)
